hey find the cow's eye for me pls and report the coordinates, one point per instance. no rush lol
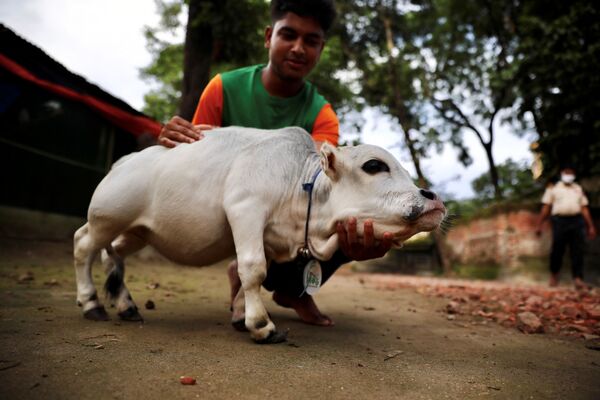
(374, 166)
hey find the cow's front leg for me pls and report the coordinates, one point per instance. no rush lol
(252, 270)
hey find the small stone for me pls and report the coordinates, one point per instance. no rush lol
(453, 307)
(150, 305)
(26, 277)
(528, 322)
(571, 311)
(393, 354)
(534, 300)
(593, 311)
(187, 380)
(593, 345)
(153, 285)
(451, 317)
(589, 336)
(578, 328)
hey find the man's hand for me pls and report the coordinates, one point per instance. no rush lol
(368, 249)
(591, 232)
(178, 130)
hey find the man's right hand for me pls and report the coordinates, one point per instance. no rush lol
(178, 130)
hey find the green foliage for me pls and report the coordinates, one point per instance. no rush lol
(161, 102)
(441, 68)
(559, 60)
(331, 63)
(165, 72)
(514, 179)
(520, 192)
(236, 28)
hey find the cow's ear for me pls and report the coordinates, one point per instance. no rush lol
(330, 161)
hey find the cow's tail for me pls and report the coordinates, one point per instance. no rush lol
(114, 280)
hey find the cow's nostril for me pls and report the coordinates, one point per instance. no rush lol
(427, 194)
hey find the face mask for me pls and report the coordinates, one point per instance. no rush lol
(567, 178)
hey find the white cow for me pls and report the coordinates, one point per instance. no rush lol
(239, 192)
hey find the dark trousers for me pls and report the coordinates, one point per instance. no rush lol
(568, 231)
(287, 278)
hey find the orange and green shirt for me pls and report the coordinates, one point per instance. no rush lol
(239, 98)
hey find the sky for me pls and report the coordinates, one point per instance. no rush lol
(103, 41)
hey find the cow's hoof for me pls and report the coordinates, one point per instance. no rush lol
(131, 314)
(274, 337)
(239, 325)
(96, 314)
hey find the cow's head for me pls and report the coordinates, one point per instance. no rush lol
(367, 182)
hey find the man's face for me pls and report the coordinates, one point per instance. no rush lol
(295, 44)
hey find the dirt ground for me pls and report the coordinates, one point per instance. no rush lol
(385, 344)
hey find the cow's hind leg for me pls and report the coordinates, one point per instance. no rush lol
(85, 250)
(237, 298)
(114, 287)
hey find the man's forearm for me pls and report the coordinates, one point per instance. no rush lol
(585, 211)
(543, 215)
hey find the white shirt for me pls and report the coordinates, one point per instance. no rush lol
(565, 199)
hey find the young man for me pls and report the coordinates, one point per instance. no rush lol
(275, 96)
(568, 205)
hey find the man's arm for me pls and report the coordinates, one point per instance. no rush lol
(326, 127)
(591, 229)
(544, 214)
(207, 116)
(178, 130)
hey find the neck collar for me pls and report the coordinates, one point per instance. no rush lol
(308, 187)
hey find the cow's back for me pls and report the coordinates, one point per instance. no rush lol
(176, 197)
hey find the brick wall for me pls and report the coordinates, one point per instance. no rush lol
(505, 238)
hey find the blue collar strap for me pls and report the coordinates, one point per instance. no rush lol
(308, 187)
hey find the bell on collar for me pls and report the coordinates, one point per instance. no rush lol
(304, 252)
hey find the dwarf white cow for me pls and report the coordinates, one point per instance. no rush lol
(239, 192)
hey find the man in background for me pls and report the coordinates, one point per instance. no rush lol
(567, 205)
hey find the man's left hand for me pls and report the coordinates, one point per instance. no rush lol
(368, 247)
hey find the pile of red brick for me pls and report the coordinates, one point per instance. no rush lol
(531, 309)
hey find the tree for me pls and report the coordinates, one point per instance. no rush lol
(377, 37)
(219, 35)
(514, 179)
(469, 61)
(558, 80)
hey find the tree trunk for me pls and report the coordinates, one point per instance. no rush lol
(198, 50)
(493, 171)
(401, 113)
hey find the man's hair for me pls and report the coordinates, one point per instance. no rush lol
(567, 165)
(321, 10)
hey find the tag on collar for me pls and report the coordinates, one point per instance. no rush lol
(312, 277)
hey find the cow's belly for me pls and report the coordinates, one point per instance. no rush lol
(199, 238)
